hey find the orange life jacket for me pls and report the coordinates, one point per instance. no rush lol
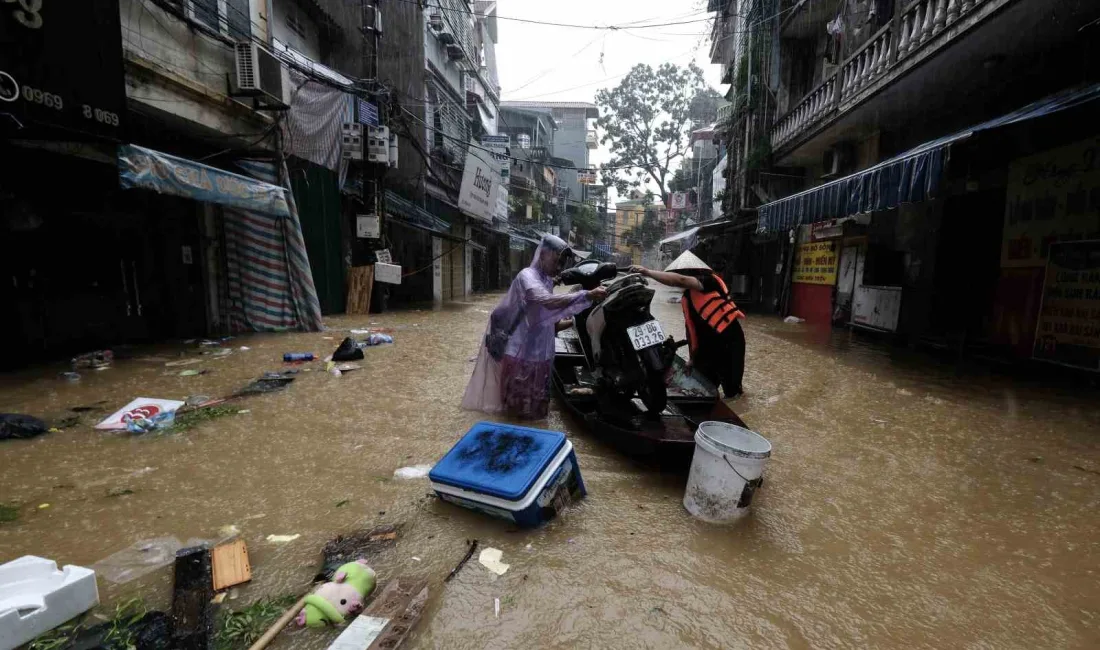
(714, 308)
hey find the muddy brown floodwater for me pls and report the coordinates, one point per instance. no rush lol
(904, 507)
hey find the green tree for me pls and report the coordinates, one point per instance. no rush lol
(646, 121)
(587, 224)
(647, 234)
(680, 181)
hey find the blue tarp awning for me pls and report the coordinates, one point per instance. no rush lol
(152, 170)
(910, 177)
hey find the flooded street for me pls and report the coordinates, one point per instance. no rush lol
(903, 507)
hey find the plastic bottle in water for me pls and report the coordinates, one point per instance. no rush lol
(291, 357)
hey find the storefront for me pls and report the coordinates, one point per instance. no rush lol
(959, 255)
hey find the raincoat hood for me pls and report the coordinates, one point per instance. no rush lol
(686, 263)
(556, 245)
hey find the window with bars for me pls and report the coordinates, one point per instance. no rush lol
(228, 17)
(458, 17)
(450, 124)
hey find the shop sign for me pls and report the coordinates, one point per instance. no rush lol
(68, 70)
(498, 144)
(480, 182)
(830, 229)
(1052, 196)
(1068, 331)
(816, 262)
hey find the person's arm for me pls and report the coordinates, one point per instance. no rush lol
(670, 279)
(557, 306)
(563, 325)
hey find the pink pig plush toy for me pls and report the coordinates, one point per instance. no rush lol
(345, 596)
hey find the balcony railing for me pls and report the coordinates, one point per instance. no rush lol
(919, 23)
(818, 103)
(725, 114)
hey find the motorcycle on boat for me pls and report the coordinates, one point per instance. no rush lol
(623, 343)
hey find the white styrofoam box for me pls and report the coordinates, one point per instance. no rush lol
(36, 597)
(367, 226)
(388, 273)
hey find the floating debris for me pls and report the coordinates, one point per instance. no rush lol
(490, 559)
(413, 472)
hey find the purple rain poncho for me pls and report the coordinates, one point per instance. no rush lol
(519, 383)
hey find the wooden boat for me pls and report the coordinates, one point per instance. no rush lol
(668, 440)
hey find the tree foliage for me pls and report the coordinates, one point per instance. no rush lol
(587, 224)
(646, 121)
(647, 234)
(679, 181)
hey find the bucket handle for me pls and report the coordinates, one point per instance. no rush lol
(735, 469)
(750, 486)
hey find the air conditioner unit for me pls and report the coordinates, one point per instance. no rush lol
(435, 22)
(454, 52)
(259, 71)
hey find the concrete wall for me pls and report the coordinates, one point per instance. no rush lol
(436, 54)
(285, 10)
(175, 70)
(403, 36)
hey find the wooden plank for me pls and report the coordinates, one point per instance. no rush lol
(360, 285)
(394, 597)
(399, 628)
(402, 601)
(192, 611)
(231, 565)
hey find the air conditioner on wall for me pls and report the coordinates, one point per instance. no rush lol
(435, 21)
(259, 71)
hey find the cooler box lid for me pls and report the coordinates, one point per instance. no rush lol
(500, 460)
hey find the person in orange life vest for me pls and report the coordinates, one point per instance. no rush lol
(715, 337)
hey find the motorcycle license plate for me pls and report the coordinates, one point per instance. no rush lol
(645, 335)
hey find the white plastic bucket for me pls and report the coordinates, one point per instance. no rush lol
(725, 471)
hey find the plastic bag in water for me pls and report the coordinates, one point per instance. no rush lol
(141, 558)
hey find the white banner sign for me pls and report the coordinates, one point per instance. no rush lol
(480, 182)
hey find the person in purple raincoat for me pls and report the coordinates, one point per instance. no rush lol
(512, 374)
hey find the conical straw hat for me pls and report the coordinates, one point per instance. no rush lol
(687, 261)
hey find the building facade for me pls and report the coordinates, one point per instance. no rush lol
(878, 155)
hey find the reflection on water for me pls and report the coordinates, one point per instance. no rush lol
(905, 506)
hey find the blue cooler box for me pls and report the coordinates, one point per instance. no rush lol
(516, 473)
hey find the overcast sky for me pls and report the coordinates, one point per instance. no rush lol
(545, 63)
